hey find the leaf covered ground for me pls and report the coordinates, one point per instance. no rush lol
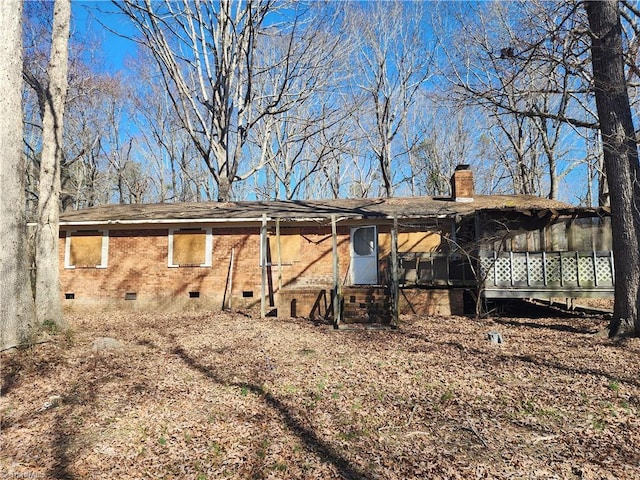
(230, 395)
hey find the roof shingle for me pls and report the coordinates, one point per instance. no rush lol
(301, 210)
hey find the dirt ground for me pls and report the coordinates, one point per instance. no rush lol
(230, 395)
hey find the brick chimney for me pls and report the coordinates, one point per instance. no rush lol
(462, 184)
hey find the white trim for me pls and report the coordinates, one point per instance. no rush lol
(263, 252)
(67, 250)
(104, 252)
(104, 257)
(180, 221)
(170, 253)
(208, 246)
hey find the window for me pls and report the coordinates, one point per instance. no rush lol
(364, 241)
(289, 247)
(190, 247)
(86, 249)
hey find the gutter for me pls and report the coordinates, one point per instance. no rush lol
(175, 221)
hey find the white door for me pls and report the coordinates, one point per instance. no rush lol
(364, 256)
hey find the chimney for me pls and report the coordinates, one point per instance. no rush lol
(462, 184)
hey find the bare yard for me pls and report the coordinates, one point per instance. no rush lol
(225, 395)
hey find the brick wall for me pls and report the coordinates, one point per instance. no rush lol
(431, 301)
(138, 264)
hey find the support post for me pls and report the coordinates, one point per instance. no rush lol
(395, 293)
(279, 253)
(263, 265)
(337, 310)
(226, 298)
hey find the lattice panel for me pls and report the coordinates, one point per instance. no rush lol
(569, 269)
(603, 265)
(585, 269)
(486, 269)
(553, 269)
(536, 272)
(503, 271)
(519, 269)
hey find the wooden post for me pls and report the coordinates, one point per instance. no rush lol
(279, 254)
(395, 291)
(337, 311)
(263, 264)
(227, 291)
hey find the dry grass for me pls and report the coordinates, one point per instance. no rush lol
(225, 395)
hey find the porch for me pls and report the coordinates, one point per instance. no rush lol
(547, 274)
(572, 274)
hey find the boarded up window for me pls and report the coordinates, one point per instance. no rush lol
(289, 248)
(411, 242)
(190, 247)
(86, 249)
(418, 241)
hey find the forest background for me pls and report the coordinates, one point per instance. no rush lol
(288, 100)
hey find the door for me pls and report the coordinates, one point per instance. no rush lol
(364, 256)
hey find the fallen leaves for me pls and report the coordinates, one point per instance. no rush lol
(225, 395)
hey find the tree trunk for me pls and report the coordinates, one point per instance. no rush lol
(16, 301)
(48, 304)
(620, 160)
(224, 189)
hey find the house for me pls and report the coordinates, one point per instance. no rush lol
(341, 259)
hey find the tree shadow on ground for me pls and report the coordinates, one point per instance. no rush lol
(308, 437)
(560, 327)
(83, 393)
(9, 379)
(489, 356)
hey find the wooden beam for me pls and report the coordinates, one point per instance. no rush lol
(279, 254)
(263, 263)
(394, 274)
(337, 310)
(226, 298)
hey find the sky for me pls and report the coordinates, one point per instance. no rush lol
(87, 18)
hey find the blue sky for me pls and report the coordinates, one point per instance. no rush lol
(87, 17)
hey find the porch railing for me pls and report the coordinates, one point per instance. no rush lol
(435, 269)
(563, 273)
(513, 274)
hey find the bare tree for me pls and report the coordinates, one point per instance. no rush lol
(206, 52)
(83, 167)
(85, 177)
(336, 145)
(289, 143)
(48, 304)
(17, 312)
(620, 159)
(392, 61)
(446, 141)
(523, 63)
(177, 173)
(298, 145)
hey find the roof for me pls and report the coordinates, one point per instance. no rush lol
(304, 210)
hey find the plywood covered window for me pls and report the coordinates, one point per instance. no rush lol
(419, 242)
(289, 248)
(190, 247)
(86, 249)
